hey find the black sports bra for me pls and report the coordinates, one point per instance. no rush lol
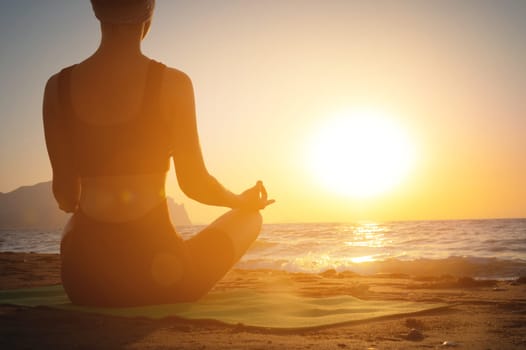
(138, 146)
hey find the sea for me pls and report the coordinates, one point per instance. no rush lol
(482, 249)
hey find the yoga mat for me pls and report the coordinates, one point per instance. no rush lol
(248, 307)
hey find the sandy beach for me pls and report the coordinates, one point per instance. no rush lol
(481, 315)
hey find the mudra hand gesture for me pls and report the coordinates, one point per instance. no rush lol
(254, 198)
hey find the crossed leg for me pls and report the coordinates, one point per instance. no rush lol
(212, 252)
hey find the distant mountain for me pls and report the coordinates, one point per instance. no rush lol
(35, 207)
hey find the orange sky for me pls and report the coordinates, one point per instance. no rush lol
(268, 74)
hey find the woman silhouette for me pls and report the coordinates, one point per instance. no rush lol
(112, 123)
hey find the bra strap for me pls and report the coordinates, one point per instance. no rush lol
(64, 95)
(65, 114)
(152, 92)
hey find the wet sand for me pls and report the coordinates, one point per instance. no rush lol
(482, 314)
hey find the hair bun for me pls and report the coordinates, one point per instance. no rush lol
(123, 11)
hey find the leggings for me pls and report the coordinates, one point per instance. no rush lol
(144, 261)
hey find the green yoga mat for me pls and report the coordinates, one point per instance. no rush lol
(270, 310)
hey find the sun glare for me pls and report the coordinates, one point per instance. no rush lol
(362, 259)
(360, 154)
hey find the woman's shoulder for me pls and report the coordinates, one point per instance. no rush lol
(51, 93)
(176, 93)
(174, 77)
(51, 88)
(177, 86)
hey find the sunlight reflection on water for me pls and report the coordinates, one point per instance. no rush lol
(367, 235)
(362, 259)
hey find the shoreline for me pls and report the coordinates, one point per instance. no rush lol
(482, 314)
(452, 267)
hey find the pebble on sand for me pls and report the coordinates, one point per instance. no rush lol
(414, 334)
(448, 343)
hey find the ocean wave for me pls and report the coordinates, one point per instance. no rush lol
(478, 248)
(476, 267)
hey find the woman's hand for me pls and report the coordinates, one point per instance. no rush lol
(254, 198)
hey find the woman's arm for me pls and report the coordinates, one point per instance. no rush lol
(193, 177)
(66, 182)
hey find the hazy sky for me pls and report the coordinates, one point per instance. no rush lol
(268, 74)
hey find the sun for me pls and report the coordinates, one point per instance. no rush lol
(360, 153)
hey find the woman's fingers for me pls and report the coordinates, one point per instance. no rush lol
(256, 197)
(262, 191)
(269, 202)
(264, 196)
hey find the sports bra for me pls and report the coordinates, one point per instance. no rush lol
(138, 146)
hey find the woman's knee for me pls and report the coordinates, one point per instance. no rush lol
(239, 220)
(251, 217)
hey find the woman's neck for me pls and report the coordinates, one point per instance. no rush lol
(120, 41)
